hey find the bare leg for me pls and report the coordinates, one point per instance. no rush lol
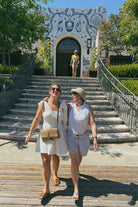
(73, 70)
(55, 166)
(75, 163)
(46, 169)
(76, 70)
(80, 158)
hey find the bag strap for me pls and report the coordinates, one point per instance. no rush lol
(58, 114)
(69, 108)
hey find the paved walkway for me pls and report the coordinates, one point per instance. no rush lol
(108, 177)
(125, 154)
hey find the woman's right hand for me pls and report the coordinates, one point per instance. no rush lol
(28, 138)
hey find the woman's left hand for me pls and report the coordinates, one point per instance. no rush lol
(95, 144)
(28, 138)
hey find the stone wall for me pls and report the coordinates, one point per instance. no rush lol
(79, 24)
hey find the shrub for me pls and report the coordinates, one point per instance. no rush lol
(7, 82)
(124, 70)
(43, 56)
(132, 85)
(5, 69)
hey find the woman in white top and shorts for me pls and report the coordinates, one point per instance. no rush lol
(80, 117)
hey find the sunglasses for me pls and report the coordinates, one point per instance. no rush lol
(53, 89)
(74, 93)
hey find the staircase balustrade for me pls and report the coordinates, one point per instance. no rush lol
(12, 87)
(121, 99)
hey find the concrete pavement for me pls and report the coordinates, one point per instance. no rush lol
(125, 154)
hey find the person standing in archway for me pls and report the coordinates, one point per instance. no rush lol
(74, 62)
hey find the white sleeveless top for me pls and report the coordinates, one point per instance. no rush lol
(78, 119)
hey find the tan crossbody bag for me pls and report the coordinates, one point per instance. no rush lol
(51, 133)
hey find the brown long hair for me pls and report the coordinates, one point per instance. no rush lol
(53, 84)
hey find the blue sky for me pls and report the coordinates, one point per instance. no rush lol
(111, 5)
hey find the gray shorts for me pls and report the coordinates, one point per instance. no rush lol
(80, 145)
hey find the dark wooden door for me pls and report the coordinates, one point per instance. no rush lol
(63, 67)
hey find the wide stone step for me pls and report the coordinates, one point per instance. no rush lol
(25, 118)
(32, 111)
(36, 100)
(28, 119)
(101, 128)
(17, 118)
(108, 120)
(108, 137)
(106, 128)
(105, 114)
(116, 137)
(65, 92)
(68, 88)
(17, 125)
(34, 95)
(65, 84)
(64, 79)
(13, 134)
(23, 111)
(29, 105)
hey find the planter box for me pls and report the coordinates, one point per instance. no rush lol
(93, 73)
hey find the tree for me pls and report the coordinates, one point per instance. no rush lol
(21, 24)
(43, 56)
(129, 22)
(94, 55)
(109, 35)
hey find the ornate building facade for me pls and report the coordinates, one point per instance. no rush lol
(71, 29)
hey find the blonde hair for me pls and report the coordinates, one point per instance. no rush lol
(75, 51)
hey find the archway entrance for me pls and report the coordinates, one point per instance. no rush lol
(65, 49)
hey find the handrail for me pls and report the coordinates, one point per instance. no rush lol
(12, 87)
(20, 78)
(120, 97)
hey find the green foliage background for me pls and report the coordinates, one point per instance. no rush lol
(132, 85)
(124, 70)
(5, 69)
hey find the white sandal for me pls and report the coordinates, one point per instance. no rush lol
(75, 196)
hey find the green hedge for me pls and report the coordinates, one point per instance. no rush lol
(5, 69)
(124, 70)
(132, 85)
(8, 83)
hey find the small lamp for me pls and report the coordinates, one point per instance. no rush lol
(89, 44)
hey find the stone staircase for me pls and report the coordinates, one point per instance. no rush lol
(15, 125)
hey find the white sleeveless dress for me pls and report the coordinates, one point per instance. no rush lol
(57, 146)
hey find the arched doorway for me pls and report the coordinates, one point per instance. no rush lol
(65, 50)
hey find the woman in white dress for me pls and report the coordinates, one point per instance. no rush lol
(78, 142)
(53, 148)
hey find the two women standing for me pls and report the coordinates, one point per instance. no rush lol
(77, 137)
